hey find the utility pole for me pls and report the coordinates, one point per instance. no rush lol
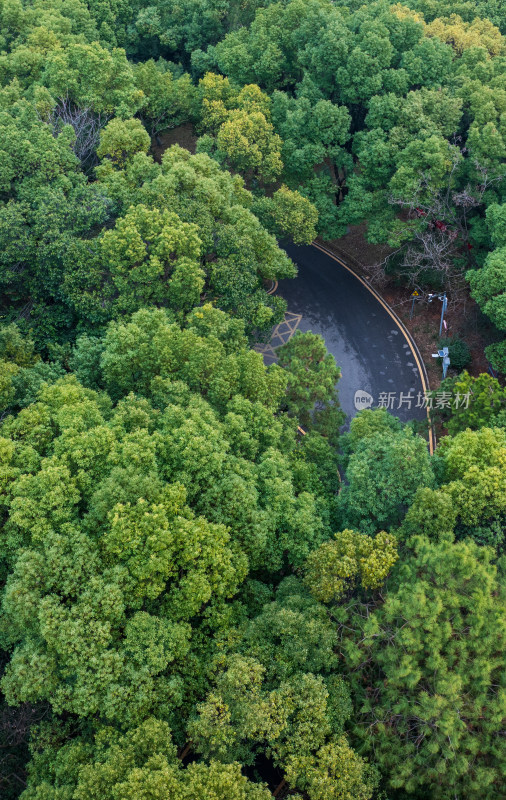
(444, 301)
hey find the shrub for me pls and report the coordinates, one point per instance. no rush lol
(458, 350)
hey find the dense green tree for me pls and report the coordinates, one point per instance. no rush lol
(417, 107)
(315, 161)
(168, 101)
(92, 76)
(340, 53)
(169, 565)
(58, 48)
(142, 517)
(470, 500)
(383, 474)
(183, 33)
(142, 761)
(294, 722)
(117, 660)
(237, 253)
(488, 284)
(45, 201)
(407, 161)
(23, 371)
(426, 668)
(291, 634)
(350, 557)
(470, 402)
(312, 380)
(266, 700)
(149, 257)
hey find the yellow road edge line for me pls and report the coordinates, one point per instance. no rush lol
(411, 342)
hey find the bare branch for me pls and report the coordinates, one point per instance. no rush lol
(87, 126)
(440, 240)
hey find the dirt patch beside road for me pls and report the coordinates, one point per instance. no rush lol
(464, 321)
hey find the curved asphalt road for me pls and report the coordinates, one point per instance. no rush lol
(372, 351)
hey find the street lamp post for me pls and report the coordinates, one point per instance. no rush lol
(444, 301)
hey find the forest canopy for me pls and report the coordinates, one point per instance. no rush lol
(210, 589)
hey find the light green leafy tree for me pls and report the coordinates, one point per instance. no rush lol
(149, 257)
(237, 253)
(293, 722)
(90, 564)
(241, 123)
(288, 214)
(142, 761)
(250, 144)
(135, 512)
(471, 462)
(350, 557)
(121, 139)
(470, 499)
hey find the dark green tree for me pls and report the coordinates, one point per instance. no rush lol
(426, 669)
(312, 383)
(383, 474)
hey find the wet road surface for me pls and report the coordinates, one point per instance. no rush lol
(370, 348)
